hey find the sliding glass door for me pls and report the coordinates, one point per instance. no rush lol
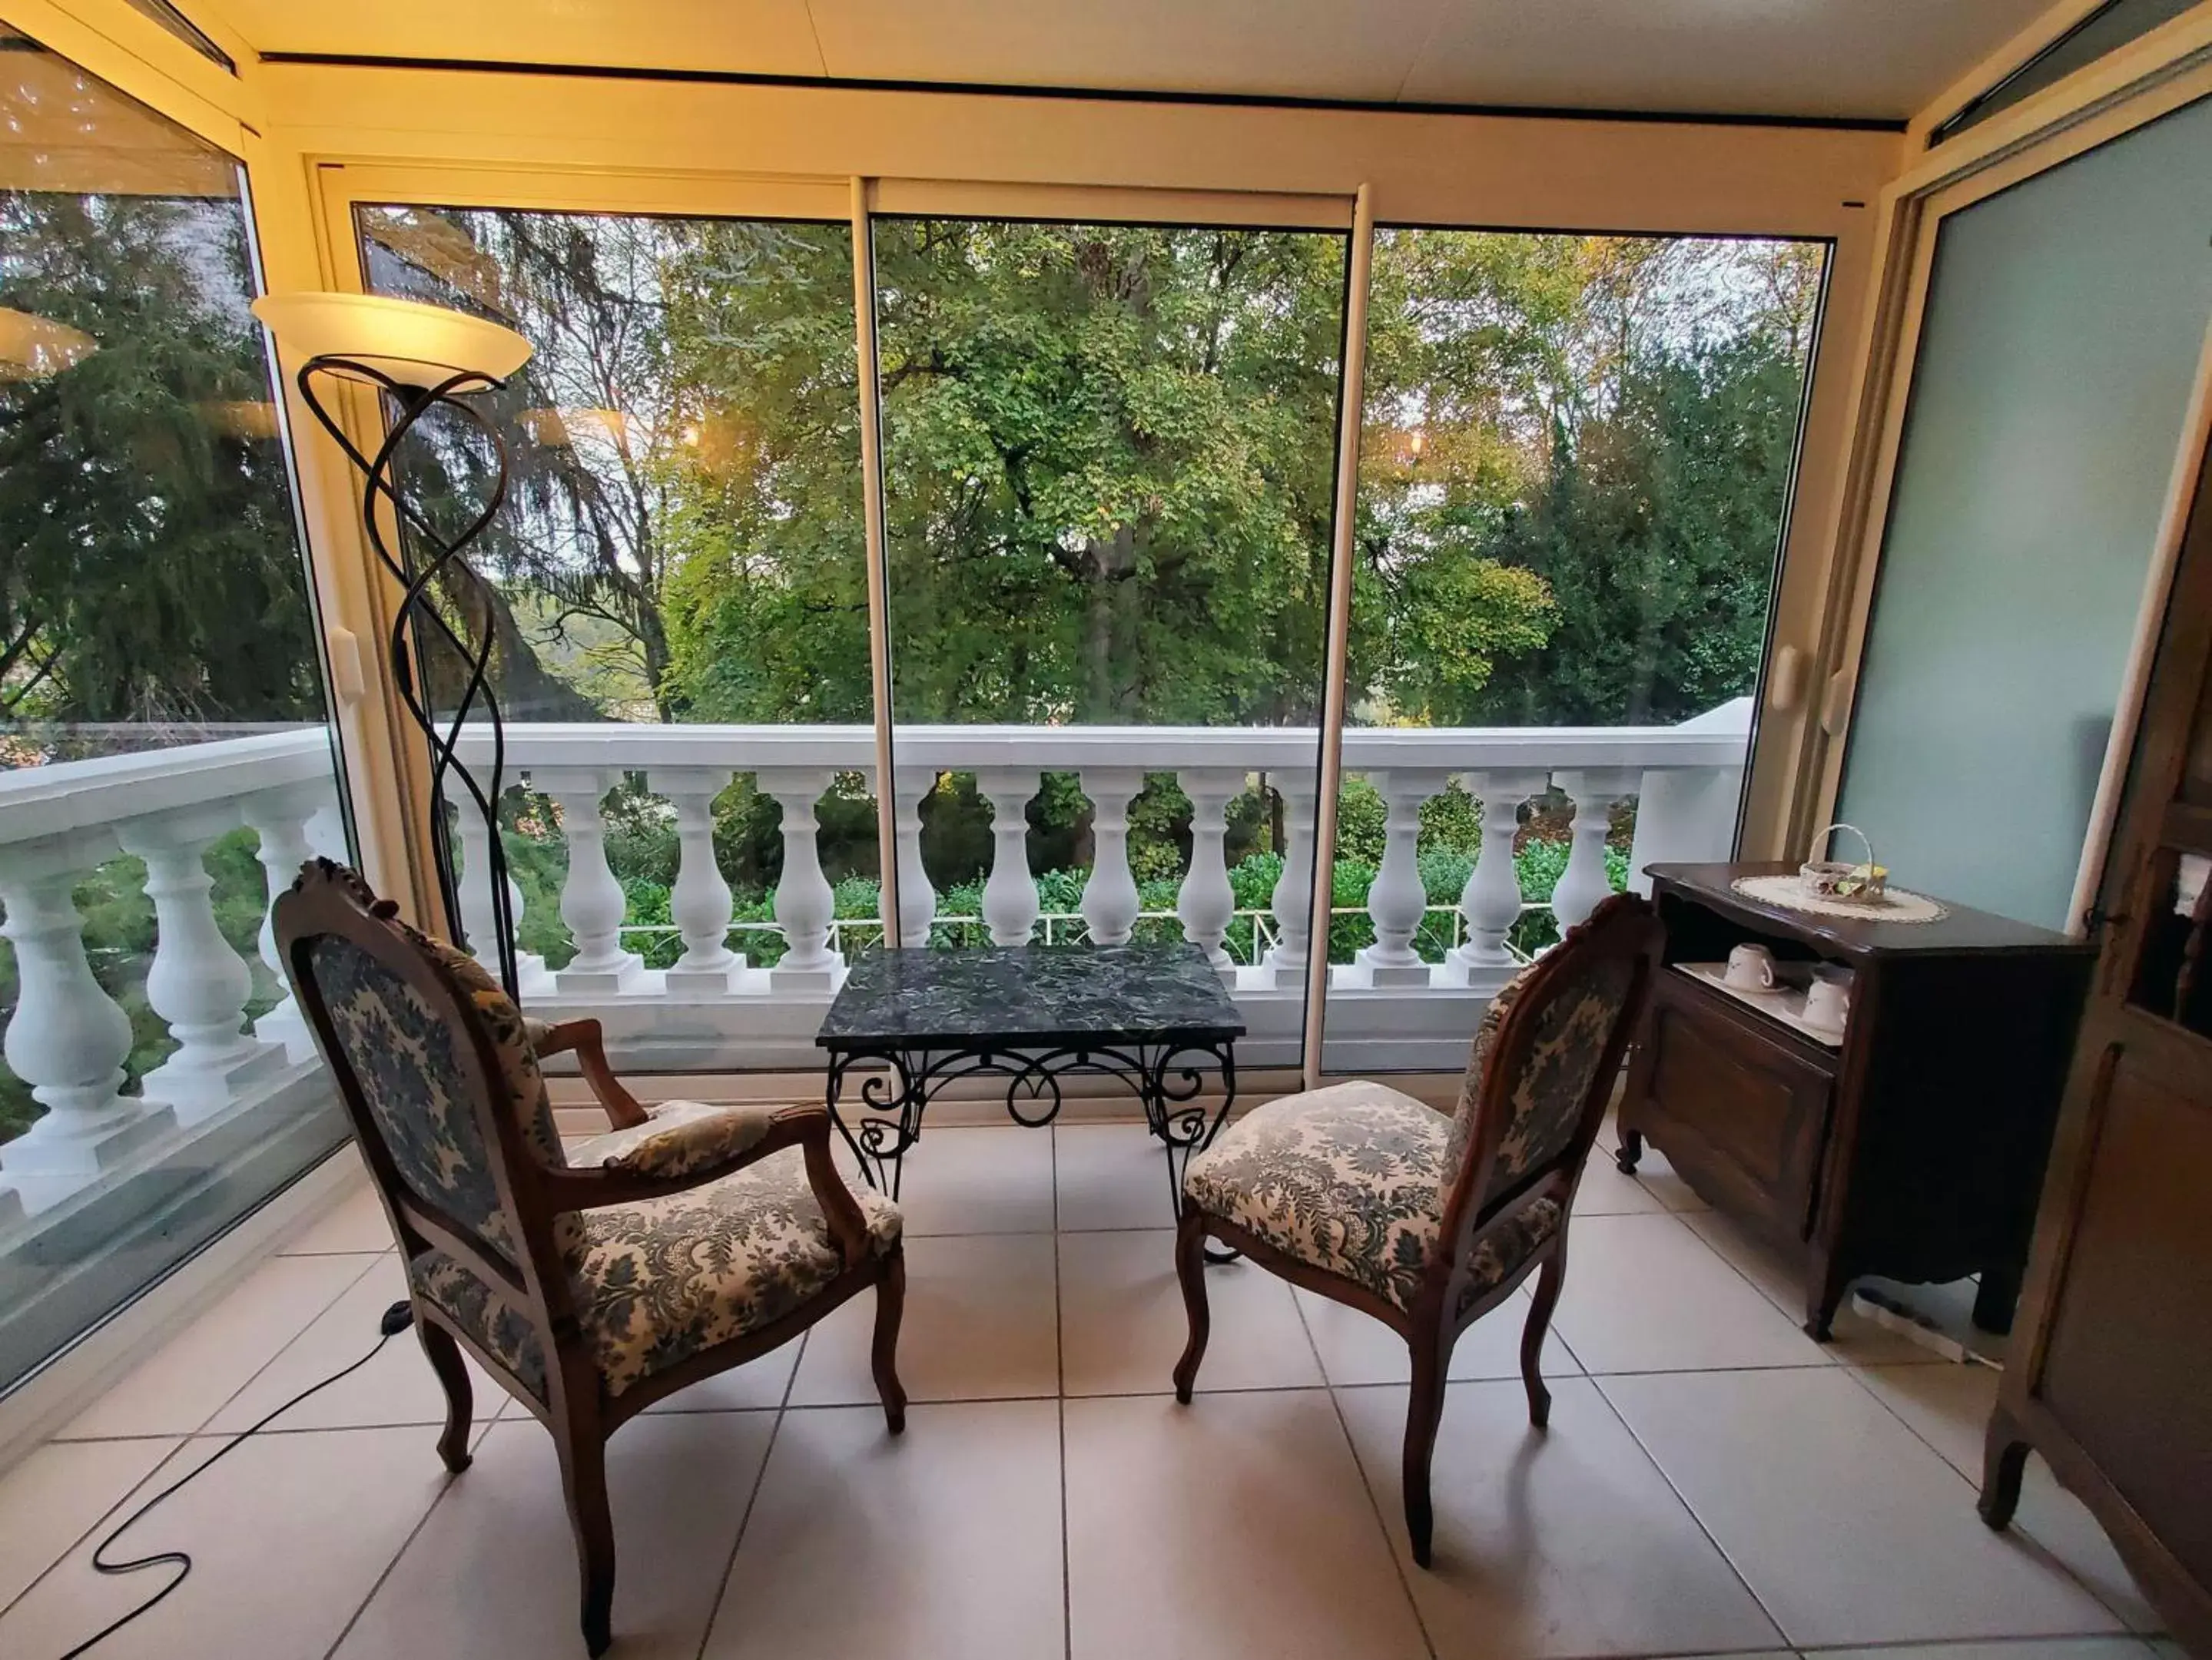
(166, 759)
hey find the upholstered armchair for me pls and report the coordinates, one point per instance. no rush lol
(1425, 1219)
(688, 1240)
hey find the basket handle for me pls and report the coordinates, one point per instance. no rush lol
(1820, 838)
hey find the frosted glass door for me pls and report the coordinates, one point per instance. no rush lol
(2064, 322)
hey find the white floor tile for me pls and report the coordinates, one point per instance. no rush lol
(1238, 1525)
(752, 1387)
(979, 1325)
(1652, 1172)
(1948, 1407)
(177, 1389)
(1358, 1349)
(396, 1387)
(493, 1572)
(1606, 1192)
(1849, 1527)
(1122, 1326)
(287, 1535)
(1644, 1294)
(1111, 1176)
(2038, 1648)
(1562, 1541)
(55, 1495)
(943, 1543)
(355, 1224)
(976, 1179)
(1856, 1340)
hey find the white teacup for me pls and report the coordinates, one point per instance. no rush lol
(1828, 999)
(1751, 968)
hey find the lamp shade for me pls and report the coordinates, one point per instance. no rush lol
(33, 347)
(414, 343)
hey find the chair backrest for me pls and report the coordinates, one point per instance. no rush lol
(1544, 1061)
(433, 1063)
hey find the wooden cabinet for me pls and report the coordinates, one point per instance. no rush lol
(2111, 1377)
(1914, 1147)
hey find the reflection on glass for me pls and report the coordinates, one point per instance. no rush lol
(681, 547)
(164, 760)
(1108, 457)
(1573, 475)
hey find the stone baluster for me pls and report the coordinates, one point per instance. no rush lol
(805, 903)
(699, 904)
(1010, 896)
(1396, 901)
(1205, 903)
(1583, 885)
(1109, 899)
(68, 1039)
(198, 983)
(1291, 903)
(917, 899)
(479, 921)
(280, 818)
(1490, 901)
(593, 903)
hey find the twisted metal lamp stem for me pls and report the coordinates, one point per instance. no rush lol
(417, 621)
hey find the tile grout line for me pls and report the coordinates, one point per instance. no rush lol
(1374, 1502)
(2016, 1527)
(753, 1497)
(1691, 1510)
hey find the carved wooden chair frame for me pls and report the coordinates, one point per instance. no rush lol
(1624, 927)
(329, 901)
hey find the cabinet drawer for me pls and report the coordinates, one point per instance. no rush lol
(1741, 1114)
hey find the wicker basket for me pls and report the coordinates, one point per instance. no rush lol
(1835, 879)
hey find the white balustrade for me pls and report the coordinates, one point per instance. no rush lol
(805, 903)
(1291, 903)
(1010, 896)
(280, 819)
(1207, 903)
(592, 902)
(1490, 902)
(66, 1037)
(1583, 885)
(1109, 898)
(198, 985)
(699, 904)
(1396, 899)
(917, 899)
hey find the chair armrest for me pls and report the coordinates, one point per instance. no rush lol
(681, 1137)
(582, 1038)
(621, 1181)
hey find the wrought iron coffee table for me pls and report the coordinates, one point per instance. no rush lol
(1155, 1016)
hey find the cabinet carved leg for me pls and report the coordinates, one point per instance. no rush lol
(1625, 1157)
(1825, 1282)
(2004, 1462)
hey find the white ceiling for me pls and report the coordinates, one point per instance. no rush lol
(1883, 58)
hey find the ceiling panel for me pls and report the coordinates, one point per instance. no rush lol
(1359, 49)
(757, 37)
(1823, 58)
(1807, 58)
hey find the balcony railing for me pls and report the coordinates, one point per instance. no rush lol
(712, 1010)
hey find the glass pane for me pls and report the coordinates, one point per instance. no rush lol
(1108, 455)
(676, 594)
(165, 760)
(2107, 28)
(2064, 322)
(1573, 480)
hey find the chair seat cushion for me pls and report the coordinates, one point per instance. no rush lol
(658, 1281)
(1346, 1179)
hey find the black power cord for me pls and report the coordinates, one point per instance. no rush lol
(397, 1319)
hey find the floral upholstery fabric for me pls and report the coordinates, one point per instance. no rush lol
(513, 1039)
(657, 1282)
(681, 1138)
(1348, 1179)
(1547, 1094)
(1460, 1141)
(404, 1053)
(481, 1311)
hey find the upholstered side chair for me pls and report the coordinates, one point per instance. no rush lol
(1425, 1219)
(690, 1239)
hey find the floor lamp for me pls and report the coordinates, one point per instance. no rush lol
(420, 357)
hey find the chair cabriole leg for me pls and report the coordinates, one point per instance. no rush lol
(1549, 1279)
(1425, 1408)
(891, 1304)
(445, 1357)
(1190, 1269)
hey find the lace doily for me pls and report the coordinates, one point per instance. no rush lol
(1898, 904)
